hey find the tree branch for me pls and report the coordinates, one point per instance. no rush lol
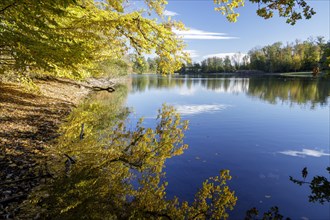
(133, 142)
(156, 214)
(198, 214)
(8, 6)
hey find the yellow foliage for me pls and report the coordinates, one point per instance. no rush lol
(116, 170)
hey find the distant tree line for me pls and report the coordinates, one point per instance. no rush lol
(297, 56)
(218, 65)
(292, 57)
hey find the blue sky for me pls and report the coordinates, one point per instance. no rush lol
(249, 31)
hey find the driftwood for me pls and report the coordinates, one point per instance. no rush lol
(98, 88)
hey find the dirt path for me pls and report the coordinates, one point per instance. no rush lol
(28, 125)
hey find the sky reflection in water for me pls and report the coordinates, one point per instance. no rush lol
(199, 109)
(262, 129)
(304, 153)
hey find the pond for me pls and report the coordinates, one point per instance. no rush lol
(262, 129)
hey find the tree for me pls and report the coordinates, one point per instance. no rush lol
(140, 65)
(296, 62)
(32, 36)
(257, 59)
(325, 60)
(152, 65)
(69, 36)
(236, 60)
(227, 64)
(312, 54)
(245, 62)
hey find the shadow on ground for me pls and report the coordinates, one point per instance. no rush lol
(28, 126)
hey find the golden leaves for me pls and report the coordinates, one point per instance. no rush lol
(227, 8)
(71, 38)
(293, 10)
(118, 169)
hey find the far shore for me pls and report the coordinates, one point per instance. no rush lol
(253, 73)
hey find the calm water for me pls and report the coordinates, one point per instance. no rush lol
(262, 129)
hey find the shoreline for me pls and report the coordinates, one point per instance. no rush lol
(246, 74)
(29, 125)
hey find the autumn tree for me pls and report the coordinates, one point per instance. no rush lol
(70, 37)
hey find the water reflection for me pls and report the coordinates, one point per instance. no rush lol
(270, 176)
(302, 91)
(304, 153)
(199, 109)
(242, 124)
(111, 169)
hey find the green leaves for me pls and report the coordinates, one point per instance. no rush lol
(227, 8)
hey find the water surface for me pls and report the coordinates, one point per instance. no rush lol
(262, 129)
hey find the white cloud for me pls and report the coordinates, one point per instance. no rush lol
(170, 13)
(196, 34)
(198, 109)
(193, 53)
(304, 153)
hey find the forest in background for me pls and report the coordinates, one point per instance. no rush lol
(297, 56)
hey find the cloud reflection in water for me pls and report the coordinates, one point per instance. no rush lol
(304, 153)
(198, 109)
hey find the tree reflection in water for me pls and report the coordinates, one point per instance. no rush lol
(299, 90)
(117, 172)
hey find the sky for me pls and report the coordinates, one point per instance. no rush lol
(211, 34)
